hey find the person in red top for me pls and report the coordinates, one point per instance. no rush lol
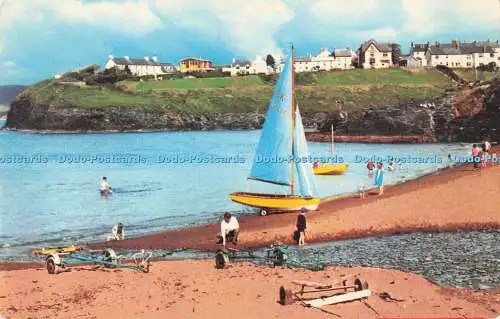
(475, 155)
(370, 167)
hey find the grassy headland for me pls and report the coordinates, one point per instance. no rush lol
(316, 92)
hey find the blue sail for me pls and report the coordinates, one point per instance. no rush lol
(303, 166)
(272, 157)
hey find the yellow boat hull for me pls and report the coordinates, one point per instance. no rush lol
(56, 250)
(330, 169)
(275, 202)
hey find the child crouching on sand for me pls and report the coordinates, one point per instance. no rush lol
(362, 189)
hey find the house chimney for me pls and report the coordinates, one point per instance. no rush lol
(154, 58)
(234, 60)
(412, 45)
(126, 58)
(111, 57)
(146, 58)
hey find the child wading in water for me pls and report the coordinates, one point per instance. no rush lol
(379, 178)
(362, 190)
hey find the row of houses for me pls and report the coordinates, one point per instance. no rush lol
(457, 54)
(370, 55)
(151, 66)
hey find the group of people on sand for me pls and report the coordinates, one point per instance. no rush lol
(481, 154)
(230, 229)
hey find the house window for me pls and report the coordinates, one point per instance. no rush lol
(446, 63)
(481, 55)
(468, 57)
(372, 55)
(437, 57)
(385, 54)
(447, 57)
(469, 64)
(492, 55)
(498, 58)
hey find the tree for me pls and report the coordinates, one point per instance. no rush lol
(270, 61)
(396, 53)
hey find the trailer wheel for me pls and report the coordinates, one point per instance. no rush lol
(358, 285)
(263, 212)
(110, 257)
(221, 259)
(52, 267)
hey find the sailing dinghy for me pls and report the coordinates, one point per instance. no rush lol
(330, 169)
(281, 155)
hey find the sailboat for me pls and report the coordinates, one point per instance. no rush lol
(330, 169)
(281, 155)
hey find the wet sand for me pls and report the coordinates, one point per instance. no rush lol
(460, 198)
(195, 289)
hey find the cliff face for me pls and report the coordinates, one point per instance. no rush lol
(468, 115)
(29, 116)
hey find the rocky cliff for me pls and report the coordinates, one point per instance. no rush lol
(466, 114)
(469, 114)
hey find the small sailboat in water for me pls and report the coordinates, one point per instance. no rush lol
(330, 169)
(282, 157)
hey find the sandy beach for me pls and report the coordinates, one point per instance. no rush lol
(196, 289)
(460, 198)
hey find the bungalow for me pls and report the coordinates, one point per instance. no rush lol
(374, 55)
(463, 55)
(195, 65)
(410, 62)
(140, 67)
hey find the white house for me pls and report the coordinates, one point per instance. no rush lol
(462, 55)
(374, 55)
(140, 67)
(325, 60)
(343, 59)
(243, 67)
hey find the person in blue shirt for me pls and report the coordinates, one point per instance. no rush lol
(379, 178)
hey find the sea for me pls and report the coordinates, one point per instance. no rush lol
(161, 180)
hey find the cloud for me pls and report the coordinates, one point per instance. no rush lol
(7, 64)
(133, 17)
(248, 27)
(427, 17)
(343, 13)
(383, 34)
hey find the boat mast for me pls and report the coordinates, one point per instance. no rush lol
(293, 122)
(331, 146)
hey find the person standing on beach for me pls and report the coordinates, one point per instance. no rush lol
(302, 226)
(475, 155)
(450, 161)
(379, 178)
(370, 165)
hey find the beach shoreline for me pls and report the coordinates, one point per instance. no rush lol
(279, 227)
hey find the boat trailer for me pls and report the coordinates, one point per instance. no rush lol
(58, 259)
(339, 293)
(276, 255)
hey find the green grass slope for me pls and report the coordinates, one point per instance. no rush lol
(315, 92)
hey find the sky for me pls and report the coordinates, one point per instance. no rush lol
(41, 38)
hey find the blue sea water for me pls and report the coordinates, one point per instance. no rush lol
(49, 182)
